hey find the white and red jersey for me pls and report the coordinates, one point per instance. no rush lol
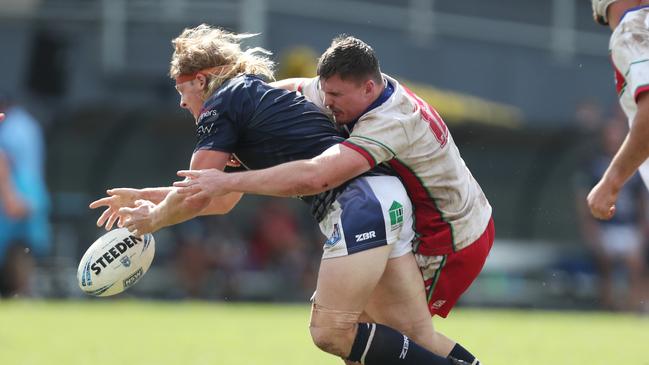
(451, 211)
(629, 47)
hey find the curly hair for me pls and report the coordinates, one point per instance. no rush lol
(205, 47)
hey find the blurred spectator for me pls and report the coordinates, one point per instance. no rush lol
(24, 201)
(277, 245)
(621, 239)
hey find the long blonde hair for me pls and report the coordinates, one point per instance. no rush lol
(205, 47)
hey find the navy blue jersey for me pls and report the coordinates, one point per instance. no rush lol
(263, 126)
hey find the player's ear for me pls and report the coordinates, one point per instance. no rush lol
(202, 80)
(369, 86)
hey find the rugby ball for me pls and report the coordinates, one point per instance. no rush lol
(115, 262)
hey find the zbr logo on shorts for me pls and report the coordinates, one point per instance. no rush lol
(335, 237)
(396, 215)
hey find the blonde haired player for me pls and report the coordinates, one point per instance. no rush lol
(368, 220)
(629, 48)
(389, 125)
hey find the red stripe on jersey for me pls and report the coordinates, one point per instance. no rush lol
(363, 153)
(299, 88)
(436, 235)
(620, 82)
(639, 91)
(435, 121)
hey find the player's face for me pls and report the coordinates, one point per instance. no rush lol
(191, 96)
(347, 99)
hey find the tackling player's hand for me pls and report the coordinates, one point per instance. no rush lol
(116, 199)
(601, 201)
(201, 184)
(139, 220)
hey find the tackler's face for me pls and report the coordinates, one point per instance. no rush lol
(347, 99)
(191, 95)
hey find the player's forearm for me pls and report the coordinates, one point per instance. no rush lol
(285, 180)
(222, 204)
(175, 209)
(288, 84)
(633, 152)
(155, 195)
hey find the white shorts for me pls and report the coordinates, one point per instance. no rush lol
(372, 211)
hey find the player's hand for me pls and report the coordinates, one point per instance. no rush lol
(201, 184)
(2, 117)
(116, 199)
(139, 220)
(601, 201)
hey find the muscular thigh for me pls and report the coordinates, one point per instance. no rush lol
(399, 301)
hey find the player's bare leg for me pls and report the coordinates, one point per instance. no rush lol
(343, 289)
(345, 285)
(399, 301)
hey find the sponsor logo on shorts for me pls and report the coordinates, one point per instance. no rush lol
(335, 237)
(133, 278)
(439, 303)
(396, 215)
(365, 236)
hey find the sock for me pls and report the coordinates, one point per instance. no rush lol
(461, 353)
(376, 344)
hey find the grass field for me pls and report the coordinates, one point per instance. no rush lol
(179, 333)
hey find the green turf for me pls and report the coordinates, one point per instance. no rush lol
(179, 333)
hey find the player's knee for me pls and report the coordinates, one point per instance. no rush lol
(334, 341)
(333, 331)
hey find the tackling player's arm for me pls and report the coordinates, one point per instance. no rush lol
(633, 152)
(330, 169)
(292, 84)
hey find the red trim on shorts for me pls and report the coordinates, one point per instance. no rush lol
(360, 150)
(436, 235)
(639, 91)
(459, 270)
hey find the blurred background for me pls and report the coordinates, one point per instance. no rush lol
(525, 87)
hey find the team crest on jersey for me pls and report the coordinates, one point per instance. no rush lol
(335, 237)
(396, 215)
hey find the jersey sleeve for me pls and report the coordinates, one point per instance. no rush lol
(310, 88)
(631, 57)
(377, 140)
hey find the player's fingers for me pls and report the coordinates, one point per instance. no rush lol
(111, 221)
(140, 202)
(192, 174)
(183, 183)
(126, 211)
(104, 216)
(100, 203)
(188, 190)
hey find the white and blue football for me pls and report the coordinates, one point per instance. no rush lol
(115, 262)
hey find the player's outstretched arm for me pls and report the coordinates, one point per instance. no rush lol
(633, 152)
(124, 198)
(304, 177)
(147, 217)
